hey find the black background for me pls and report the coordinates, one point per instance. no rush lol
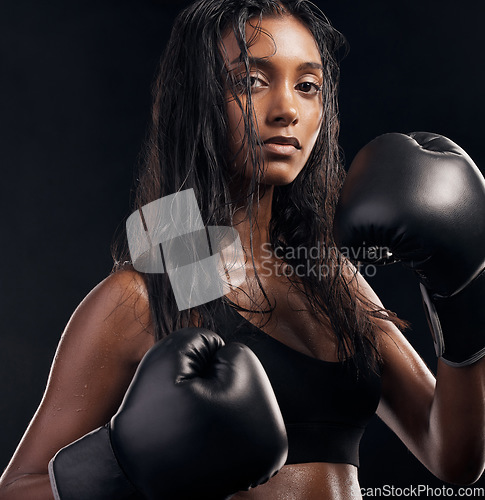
(74, 105)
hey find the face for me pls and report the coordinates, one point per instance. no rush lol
(286, 78)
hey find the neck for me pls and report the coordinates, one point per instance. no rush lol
(258, 226)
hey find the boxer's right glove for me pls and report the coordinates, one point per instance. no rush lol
(199, 420)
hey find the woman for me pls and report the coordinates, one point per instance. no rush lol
(245, 114)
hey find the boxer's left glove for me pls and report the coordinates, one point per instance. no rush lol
(199, 420)
(421, 197)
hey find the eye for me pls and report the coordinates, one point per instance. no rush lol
(309, 88)
(256, 81)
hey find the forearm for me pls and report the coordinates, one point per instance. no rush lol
(36, 486)
(456, 434)
(28, 486)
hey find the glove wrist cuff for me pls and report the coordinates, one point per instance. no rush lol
(457, 323)
(87, 468)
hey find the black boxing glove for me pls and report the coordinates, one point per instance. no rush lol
(199, 420)
(420, 199)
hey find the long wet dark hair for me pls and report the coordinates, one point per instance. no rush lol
(188, 147)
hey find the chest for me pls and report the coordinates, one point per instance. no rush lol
(288, 316)
(325, 405)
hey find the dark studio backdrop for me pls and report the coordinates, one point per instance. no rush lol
(74, 105)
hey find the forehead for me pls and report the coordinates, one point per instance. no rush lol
(283, 37)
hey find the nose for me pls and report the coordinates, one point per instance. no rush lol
(283, 109)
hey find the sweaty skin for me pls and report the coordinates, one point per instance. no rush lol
(110, 331)
(286, 79)
(287, 103)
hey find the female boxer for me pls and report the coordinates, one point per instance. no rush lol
(245, 114)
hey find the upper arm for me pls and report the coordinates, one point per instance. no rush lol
(408, 385)
(100, 348)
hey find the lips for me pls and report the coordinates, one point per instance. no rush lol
(284, 140)
(282, 145)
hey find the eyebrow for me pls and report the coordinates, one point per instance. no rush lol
(264, 62)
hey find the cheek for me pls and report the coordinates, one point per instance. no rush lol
(235, 124)
(315, 117)
(313, 121)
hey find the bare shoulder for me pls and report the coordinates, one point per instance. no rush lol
(114, 315)
(101, 346)
(391, 341)
(407, 383)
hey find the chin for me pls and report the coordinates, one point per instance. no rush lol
(278, 182)
(280, 176)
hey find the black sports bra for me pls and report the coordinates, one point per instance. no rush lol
(325, 405)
